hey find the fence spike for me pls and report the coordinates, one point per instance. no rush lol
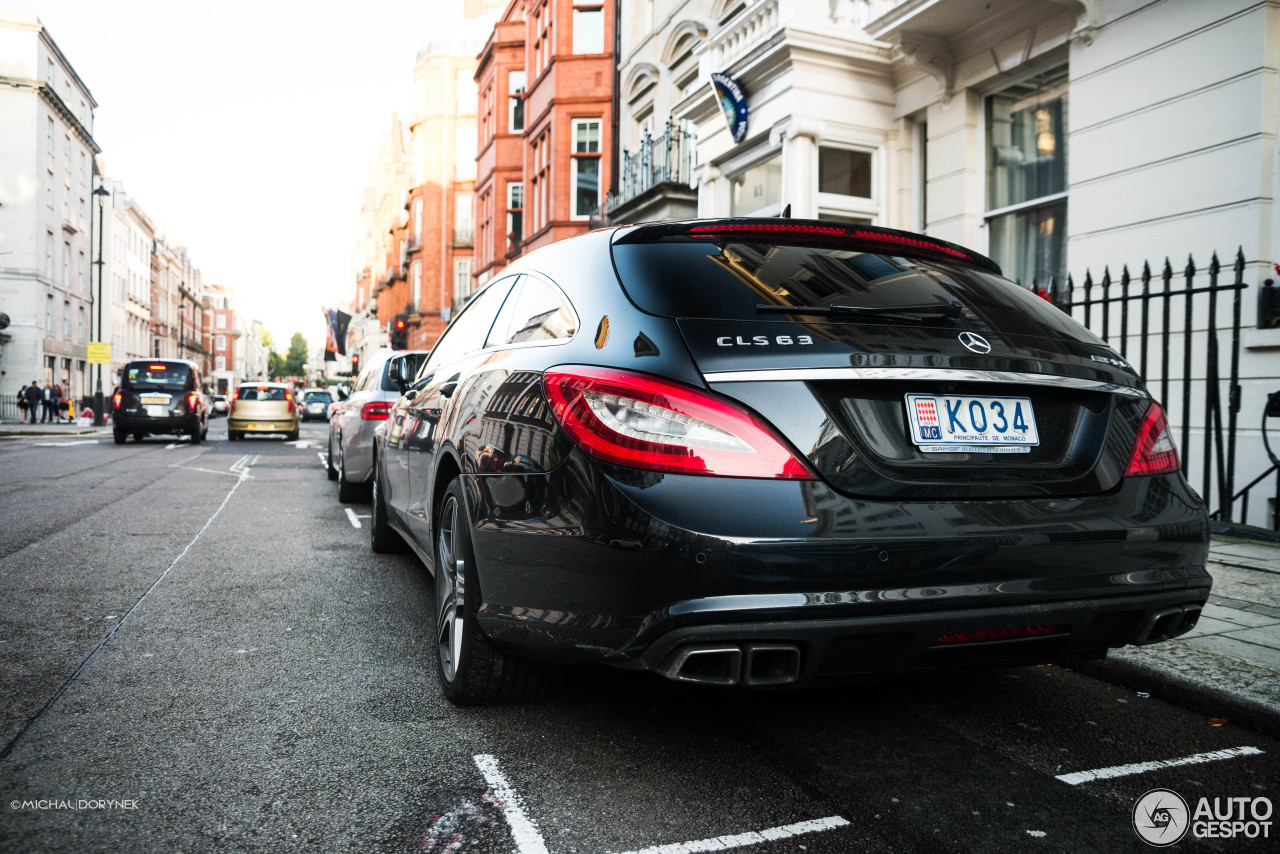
(1239, 266)
(1190, 269)
(1214, 266)
(1167, 273)
(1146, 274)
(1106, 276)
(1124, 278)
(1088, 280)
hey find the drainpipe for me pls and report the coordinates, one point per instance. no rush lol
(617, 83)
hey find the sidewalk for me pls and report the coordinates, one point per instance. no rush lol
(1228, 666)
(15, 428)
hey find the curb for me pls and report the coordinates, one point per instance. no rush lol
(1210, 701)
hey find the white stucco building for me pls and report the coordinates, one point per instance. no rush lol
(46, 178)
(130, 236)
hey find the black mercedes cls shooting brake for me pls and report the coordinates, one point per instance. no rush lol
(769, 452)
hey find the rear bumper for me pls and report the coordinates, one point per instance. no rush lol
(579, 565)
(183, 425)
(245, 425)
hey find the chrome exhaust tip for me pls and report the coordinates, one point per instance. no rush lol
(705, 664)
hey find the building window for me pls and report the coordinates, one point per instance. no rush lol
(1027, 178)
(585, 167)
(415, 300)
(49, 78)
(515, 101)
(588, 30)
(66, 320)
(80, 325)
(66, 264)
(757, 188)
(80, 274)
(48, 190)
(417, 221)
(515, 213)
(220, 363)
(462, 221)
(221, 320)
(221, 342)
(48, 314)
(48, 255)
(461, 280)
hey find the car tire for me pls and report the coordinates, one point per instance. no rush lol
(330, 469)
(232, 435)
(196, 435)
(293, 436)
(349, 492)
(472, 671)
(383, 539)
(120, 436)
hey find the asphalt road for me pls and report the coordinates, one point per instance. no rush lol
(199, 652)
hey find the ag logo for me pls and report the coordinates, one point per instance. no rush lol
(975, 342)
(1161, 817)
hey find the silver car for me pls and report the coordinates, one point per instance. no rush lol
(353, 420)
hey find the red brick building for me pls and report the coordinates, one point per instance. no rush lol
(563, 120)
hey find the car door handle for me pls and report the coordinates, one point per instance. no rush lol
(448, 389)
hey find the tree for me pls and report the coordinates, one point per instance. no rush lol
(296, 357)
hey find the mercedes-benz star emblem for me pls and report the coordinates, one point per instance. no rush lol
(975, 342)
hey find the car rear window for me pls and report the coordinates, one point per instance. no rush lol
(261, 392)
(730, 278)
(156, 375)
(318, 397)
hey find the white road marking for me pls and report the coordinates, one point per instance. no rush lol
(1143, 767)
(751, 837)
(351, 514)
(66, 444)
(301, 444)
(324, 458)
(528, 837)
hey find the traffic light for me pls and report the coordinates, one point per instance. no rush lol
(399, 333)
(355, 364)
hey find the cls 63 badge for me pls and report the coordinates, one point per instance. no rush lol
(764, 341)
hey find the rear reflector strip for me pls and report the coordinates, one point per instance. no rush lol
(988, 635)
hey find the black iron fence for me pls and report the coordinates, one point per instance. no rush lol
(1183, 338)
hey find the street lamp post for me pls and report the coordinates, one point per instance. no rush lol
(99, 408)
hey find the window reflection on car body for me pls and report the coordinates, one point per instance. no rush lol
(898, 313)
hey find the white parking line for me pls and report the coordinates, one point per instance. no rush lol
(528, 837)
(1142, 767)
(66, 444)
(751, 837)
(324, 458)
(351, 514)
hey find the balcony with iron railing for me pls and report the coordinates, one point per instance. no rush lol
(656, 176)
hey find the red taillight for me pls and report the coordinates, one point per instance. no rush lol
(116, 399)
(375, 410)
(648, 423)
(288, 396)
(191, 401)
(887, 240)
(1153, 452)
(158, 367)
(986, 635)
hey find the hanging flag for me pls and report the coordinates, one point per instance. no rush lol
(733, 103)
(340, 323)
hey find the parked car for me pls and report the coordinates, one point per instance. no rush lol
(263, 407)
(351, 426)
(315, 404)
(220, 405)
(160, 396)
(774, 452)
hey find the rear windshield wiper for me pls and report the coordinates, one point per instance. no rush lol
(901, 313)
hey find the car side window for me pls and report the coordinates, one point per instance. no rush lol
(468, 332)
(498, 334)
(540, 314)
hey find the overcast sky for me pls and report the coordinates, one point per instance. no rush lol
(249, 128)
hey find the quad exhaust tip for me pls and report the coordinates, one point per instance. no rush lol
(1168, 624)
(760, 664)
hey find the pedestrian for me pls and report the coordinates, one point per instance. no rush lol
(46, 404)
(22, 404)
(55, 403)
(33, 400)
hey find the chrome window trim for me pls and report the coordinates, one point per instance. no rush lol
(960, 376)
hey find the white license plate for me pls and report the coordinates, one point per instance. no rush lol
(958, 423)
(155, 398)
(156, 411)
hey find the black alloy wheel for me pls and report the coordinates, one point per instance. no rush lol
(328, 463)
(472, 671)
